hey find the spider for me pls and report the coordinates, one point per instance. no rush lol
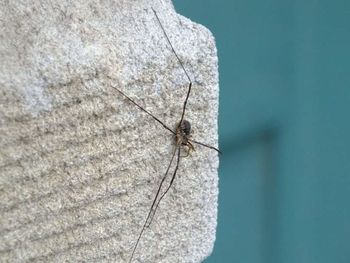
(182, 138)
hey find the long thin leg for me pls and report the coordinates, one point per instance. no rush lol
(206, 145)
(181, 64)
(144, 110)
(185, 103)
(167, 38)
(153, 205)
(169, 186)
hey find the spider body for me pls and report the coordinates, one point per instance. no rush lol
(183, 133)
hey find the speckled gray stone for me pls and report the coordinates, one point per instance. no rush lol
(79, 164)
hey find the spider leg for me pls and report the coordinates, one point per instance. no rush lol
(181, 64)
(153, 206)
(206, 145)
(144, 110)
(170, 184)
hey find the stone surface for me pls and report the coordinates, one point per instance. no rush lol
(79, 164)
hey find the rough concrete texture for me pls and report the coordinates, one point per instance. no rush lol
(80, 165)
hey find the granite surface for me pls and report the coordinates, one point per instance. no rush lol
(80, 164)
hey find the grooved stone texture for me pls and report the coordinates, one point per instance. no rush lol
(79, 163)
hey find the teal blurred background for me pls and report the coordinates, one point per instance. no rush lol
(284, 128)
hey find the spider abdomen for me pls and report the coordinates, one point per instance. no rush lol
(186, 127)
